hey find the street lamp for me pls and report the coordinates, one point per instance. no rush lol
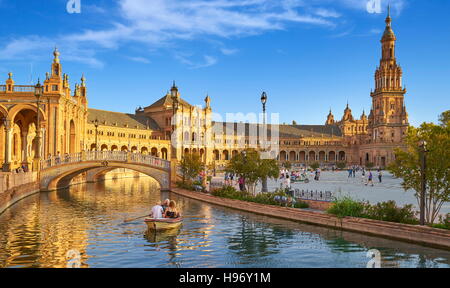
(175, 105)
(423, 166)
(37, 155)
(264, 133)
(96, 124)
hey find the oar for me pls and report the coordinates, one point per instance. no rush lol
(134, 219)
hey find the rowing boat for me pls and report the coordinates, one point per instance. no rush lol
(163, 224)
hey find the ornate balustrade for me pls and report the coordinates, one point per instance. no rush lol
(116, 156)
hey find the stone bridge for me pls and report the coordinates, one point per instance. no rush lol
(58, 171)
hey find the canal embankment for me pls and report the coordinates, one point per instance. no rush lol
(15, 187)
(422, 235)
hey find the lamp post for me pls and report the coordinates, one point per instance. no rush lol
(175, 105)
(96, 124)
(37, 155)
(423, 166)
(264, 133)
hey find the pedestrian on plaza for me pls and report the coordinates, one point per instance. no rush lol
(241, 183)
(380, 175)
(370, 180)
(350, 172)
(354, 172)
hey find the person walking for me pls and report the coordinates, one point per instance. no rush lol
(370, 180)
(380, 176)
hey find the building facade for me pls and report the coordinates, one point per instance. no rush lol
(69, 126)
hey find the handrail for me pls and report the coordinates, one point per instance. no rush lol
(116, 156)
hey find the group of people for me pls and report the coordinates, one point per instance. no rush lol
(22, 169)
(166, 209)
(370, 177)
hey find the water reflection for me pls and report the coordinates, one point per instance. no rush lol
(38, 232)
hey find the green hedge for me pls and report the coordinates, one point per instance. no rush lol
(385, 211)
(261, 198)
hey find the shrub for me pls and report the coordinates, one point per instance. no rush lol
(370, 165)
(444, 222)
(185, 185)
(341, 165)
(346, 206)
(388, 211)
(385, 211)
(261, 198)
(314, 165)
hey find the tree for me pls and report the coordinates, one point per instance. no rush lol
(252, 168)
(287, 165)
(444, 119)
(191, 165)
(407, 165)
(315, 165)
(341, 165)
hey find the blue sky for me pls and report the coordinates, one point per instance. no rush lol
(308, 55)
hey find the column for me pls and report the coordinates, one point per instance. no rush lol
(25, 148)
(8, 131)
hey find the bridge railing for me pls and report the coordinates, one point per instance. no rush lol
(117, 156)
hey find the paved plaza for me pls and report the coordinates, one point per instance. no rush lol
(339, 184)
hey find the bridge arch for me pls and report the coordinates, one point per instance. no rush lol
(59, 176)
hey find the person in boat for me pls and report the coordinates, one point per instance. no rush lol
(157, 211)
(165, 205)
(172, 211)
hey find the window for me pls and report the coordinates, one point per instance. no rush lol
(54, 87)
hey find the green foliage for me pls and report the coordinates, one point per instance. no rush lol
(287, 165)
(261, 198)
(252, 168)
(346, 206)
(315, 165)
(186, 186)
(341, 165)
(444, 222)
(385, 211)
(191, 165)
(407, 165)
(388, 211)
(370, 165)
(444, 119)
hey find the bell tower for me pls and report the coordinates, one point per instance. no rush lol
(388, 119)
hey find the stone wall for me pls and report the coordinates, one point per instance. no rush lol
(15, 194)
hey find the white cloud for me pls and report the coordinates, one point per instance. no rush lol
(226, 51)
(140, 60)
(164, 23)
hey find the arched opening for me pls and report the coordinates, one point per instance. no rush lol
(164, 153)
(283, 156)
(202, 155)
(144, 150)
(322, 156)
(93, 147)
(134, 149)
(72, 140)
(332, 156)
(104, 147)
(154, 152)
(186, 151)
(292, 156)
(124, 149)
(216, 155)
(225, 155)
(312, 156)
(114, 148)
(342, 156)
(302, 156)
(234, 153)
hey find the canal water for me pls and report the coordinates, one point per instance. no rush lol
(89, 219)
